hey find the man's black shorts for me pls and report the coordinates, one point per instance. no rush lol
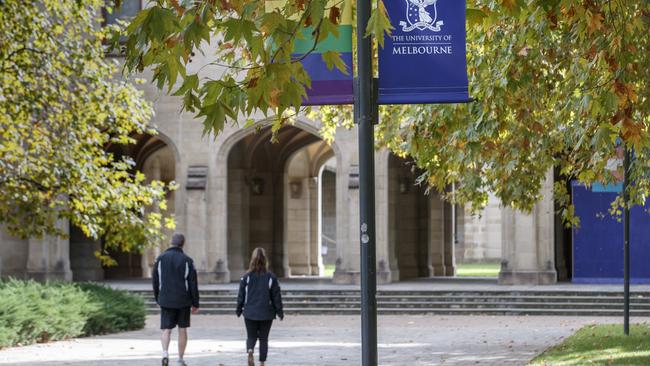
(170, 318)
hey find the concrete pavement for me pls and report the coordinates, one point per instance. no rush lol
(321, 340)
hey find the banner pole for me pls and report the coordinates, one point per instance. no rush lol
(626, 239)
(366, 112)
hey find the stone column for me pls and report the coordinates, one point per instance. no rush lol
(347, 224)
(528, 242)
(297, 224)
(238, 214)
(216, 248)
(450, 238)
(389, 229)
(436, 236)
(315, 260)
(149, 255)
(49, 257)
(196, 222)
(387, 270)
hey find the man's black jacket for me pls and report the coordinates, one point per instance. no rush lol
(174, 280)
(260, 296)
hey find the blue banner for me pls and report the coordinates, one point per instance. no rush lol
(424, 60)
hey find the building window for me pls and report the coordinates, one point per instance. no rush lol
(127, 10)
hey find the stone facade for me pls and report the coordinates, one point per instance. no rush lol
(240, 191)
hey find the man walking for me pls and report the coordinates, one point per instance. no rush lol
(176, 291)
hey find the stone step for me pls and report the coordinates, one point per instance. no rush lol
(343, 299)
(569, 303)
(415, 294)
(420, 305)
(444, 311)
(424, 306)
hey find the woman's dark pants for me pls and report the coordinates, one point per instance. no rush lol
(258, 329)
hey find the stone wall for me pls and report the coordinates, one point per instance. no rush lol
(13, 255)
(479, 240)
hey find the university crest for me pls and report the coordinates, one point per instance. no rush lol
(421, 15)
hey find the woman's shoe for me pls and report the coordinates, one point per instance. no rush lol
(251, 359)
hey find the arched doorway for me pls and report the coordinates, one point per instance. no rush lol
(275, 196)
(420, 233)
(156, 159)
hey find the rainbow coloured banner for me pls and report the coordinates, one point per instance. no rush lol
(328, 87)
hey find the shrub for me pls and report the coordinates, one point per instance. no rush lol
(112, 310)
(32, 312)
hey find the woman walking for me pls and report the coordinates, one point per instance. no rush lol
(260, 301)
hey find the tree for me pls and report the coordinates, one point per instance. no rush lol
(60, 108)
(557, 82)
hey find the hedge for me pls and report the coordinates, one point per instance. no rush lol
(32, 312)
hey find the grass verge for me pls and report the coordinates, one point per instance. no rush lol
(600, 345)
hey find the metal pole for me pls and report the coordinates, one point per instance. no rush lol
(626, 260)
(365, 106)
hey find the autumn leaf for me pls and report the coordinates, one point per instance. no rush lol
(510, 4)
(594, 22)
(335, 15)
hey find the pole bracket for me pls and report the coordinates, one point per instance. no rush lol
(373, 118)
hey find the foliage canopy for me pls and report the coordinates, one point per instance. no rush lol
(60, 109)
(557, 83)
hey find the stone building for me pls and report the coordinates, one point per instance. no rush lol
(299, 199)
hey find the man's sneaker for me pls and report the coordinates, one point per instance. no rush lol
(181, 363)
(251, 359)
(165, 361)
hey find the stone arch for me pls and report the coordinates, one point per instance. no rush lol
(156, 156)
(227, 192)
(303, 208)
(419, 237)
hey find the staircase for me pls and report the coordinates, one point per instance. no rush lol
(442, 302)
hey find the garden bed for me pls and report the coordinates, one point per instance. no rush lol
(32, 312)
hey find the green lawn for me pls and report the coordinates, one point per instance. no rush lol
(329, 270)
(478, 270)
(604, 345)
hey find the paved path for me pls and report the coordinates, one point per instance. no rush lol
(321, 340)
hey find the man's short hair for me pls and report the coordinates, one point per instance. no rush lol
(178, 240)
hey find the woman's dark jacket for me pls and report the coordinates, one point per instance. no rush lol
(259, 296)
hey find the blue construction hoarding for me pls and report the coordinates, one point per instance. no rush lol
(598, 242)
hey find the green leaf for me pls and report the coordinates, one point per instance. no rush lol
(191, 82)
(333, 59)
(475, 16)
(379, 24)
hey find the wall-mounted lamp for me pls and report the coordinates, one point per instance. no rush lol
(257, 186)
(295, 187)
(404, 185)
